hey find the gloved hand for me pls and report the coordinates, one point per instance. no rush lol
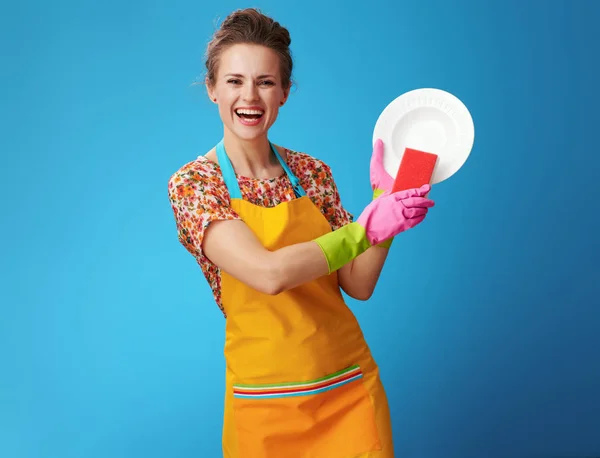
(384, 218)
(381, 181)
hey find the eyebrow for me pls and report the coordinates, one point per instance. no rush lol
(237, 75)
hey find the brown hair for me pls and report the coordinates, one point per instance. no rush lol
(250, 26)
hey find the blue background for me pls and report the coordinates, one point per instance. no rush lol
(486, 320)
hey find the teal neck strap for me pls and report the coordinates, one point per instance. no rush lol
(231, 180)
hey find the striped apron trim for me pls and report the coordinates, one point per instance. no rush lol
(282, 390)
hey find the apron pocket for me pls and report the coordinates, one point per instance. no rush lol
(331, 417)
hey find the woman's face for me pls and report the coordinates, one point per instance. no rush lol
(248, 90)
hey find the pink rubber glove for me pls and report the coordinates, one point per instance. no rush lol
(393, 213)
(381, 181)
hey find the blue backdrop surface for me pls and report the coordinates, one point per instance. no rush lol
(486, 320)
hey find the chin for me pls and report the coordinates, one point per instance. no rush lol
(249, 135)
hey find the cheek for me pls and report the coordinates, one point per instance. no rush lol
(225, 101)
(274, 100)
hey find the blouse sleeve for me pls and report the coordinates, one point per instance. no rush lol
(333, 209)
(198, 197)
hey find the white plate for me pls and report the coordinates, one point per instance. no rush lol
(429, 120)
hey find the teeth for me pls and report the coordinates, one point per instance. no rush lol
(249, 112)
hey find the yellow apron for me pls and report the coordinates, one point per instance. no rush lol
(300, 379)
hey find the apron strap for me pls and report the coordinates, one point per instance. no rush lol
(228, 173)
(231, 180)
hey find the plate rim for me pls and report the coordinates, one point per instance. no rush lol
(446, 102)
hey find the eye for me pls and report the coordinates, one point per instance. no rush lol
(233, 81)
(267, 83)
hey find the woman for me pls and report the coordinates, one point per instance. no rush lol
(267, 227)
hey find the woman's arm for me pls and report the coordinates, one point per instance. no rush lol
(270, 272)
(232, 246)
(359, 277)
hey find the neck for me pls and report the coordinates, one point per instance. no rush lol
(250, 157)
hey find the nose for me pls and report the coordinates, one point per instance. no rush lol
(250, 93)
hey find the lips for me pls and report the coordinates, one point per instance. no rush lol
(249, 116)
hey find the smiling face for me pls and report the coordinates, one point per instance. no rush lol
(248, 90)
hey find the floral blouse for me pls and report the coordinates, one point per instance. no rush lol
(198, 196)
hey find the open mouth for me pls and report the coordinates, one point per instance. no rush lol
(249, 115)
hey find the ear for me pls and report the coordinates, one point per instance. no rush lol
(210, 91)
(286, 93)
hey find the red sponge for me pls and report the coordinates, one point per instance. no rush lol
(416, 169)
